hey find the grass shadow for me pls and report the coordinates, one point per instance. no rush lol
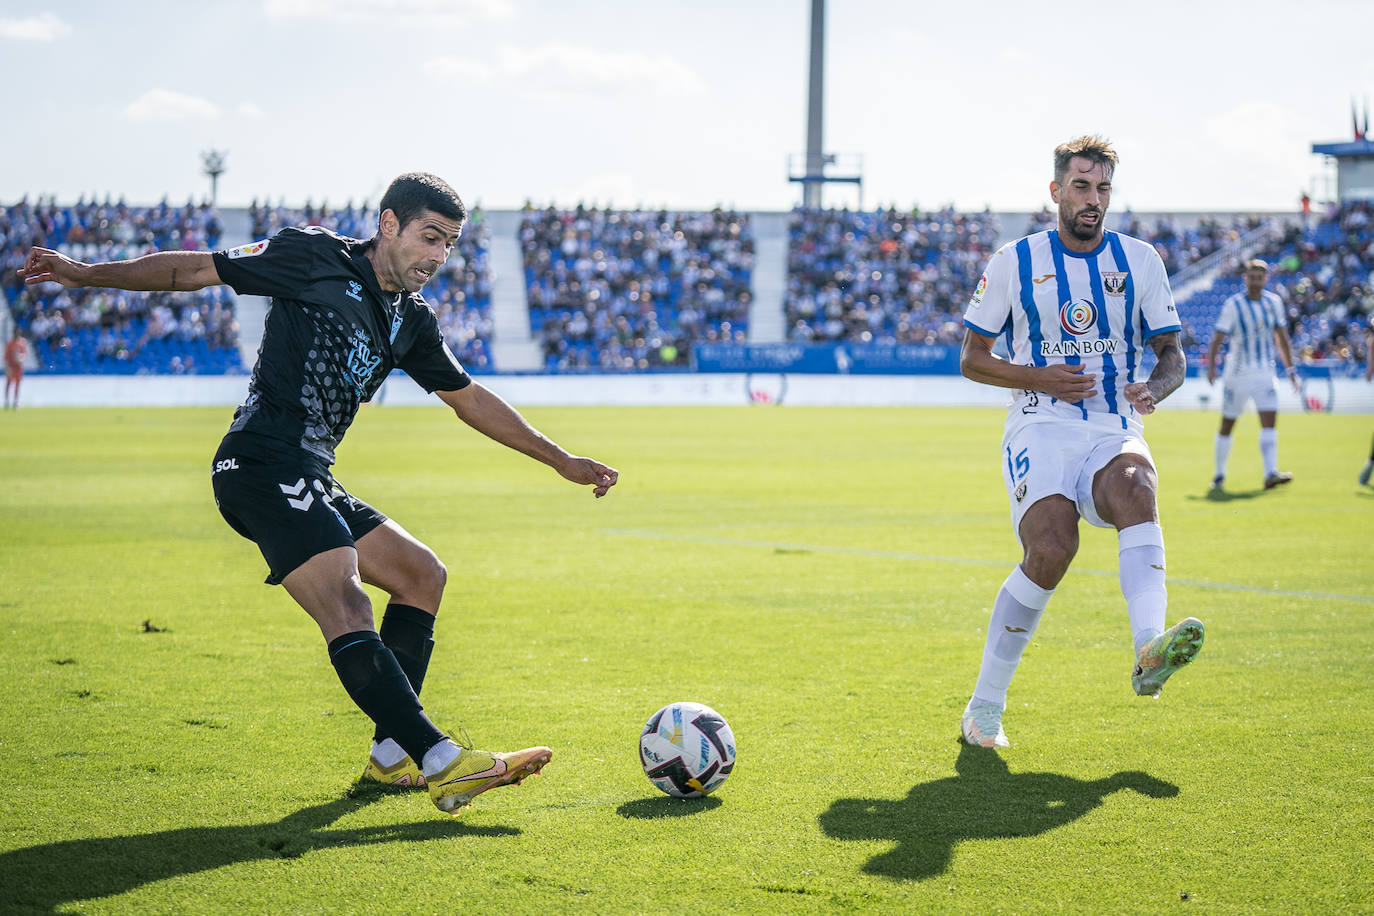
(50, 876)
(1225, 496)
(984, 801)
(667, 806)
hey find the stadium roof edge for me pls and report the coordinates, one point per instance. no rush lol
(1345, 149)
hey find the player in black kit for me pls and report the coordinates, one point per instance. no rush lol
(344, 313)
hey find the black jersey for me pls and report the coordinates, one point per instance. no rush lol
(332, 335)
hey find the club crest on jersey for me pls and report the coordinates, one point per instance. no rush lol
(252, 249)
(362, 362)
(1114, 282)
(1077, 317)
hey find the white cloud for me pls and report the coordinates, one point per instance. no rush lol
(167, 105)
(249, 110)
(43, 27)
(438, 13)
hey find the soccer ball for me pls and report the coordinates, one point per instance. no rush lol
(687, 750)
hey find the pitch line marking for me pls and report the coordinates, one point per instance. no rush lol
(967, 561)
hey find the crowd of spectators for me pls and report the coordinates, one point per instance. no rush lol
(113, 331)
(625, 290)
(460, 292)
(618, 290)
(886, 276)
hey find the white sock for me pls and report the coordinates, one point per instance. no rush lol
(440, 756)
(387, 753)
(1015, 615)
(1269, 449)
(1140, 552)
(1222, 449)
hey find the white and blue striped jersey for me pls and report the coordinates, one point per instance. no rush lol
(1249, 326)
(1054, 306)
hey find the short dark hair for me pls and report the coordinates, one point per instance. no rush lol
(1095, 149)
(415, 192)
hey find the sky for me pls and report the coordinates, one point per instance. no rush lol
(1213, 105)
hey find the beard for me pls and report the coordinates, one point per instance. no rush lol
(1084, 232)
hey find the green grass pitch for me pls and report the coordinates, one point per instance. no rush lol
(822, 577)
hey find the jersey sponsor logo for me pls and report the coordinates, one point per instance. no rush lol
(1114, 282)
(1045, 279)
(225, 464)
(251, 250)
(362, 362)
(1109, 346)
(354, 291)
(1077, 317)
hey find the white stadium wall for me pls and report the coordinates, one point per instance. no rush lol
(656, 389)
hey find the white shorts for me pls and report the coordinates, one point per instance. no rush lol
(1061, 458)
(1239, 390)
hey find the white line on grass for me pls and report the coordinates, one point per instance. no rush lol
(967, 561)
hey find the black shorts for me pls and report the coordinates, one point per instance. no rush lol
(286, 501)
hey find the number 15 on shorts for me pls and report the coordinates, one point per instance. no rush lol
(1018, 466)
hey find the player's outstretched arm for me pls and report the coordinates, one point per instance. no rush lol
(485, 411)
(978, 363)
(1164, 380)
(161, 271)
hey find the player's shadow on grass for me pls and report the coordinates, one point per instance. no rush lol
(666, 806)
(1225, 496)
(984, 801)
(44, 878)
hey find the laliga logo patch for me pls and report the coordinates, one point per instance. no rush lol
(252, 249)
(1077, 317)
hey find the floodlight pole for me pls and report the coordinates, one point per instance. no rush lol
(213, 166)
(815, 109)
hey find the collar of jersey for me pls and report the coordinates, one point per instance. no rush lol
(1070, 253)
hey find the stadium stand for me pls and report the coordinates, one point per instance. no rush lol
(637, 290)
(622, 290)
(109, 331)
(885, 276)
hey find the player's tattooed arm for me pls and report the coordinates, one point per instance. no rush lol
(1168, 374)
(163, 270)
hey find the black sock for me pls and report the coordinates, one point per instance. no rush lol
(409, 633)
(373, 678)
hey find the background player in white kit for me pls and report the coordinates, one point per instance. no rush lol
(1253, 322)
(1076, 305)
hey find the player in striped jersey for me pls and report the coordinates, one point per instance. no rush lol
(1077, 306)
(1253, 320)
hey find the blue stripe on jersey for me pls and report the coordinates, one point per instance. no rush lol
(1104, 331)
(1061, 282)
(1242, 313)
(1023, 268)
(1119, 255)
